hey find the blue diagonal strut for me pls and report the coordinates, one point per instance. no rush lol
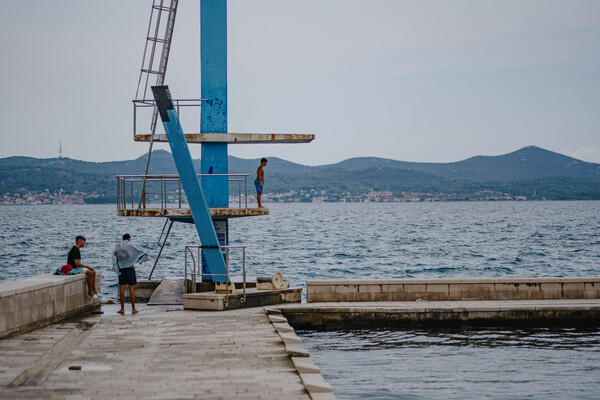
(215, 262)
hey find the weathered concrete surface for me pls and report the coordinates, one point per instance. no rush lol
(41, 300)
(439, 313)
(224, 212)
(452, 289)
(254, 298)
(157, 354)
(169, 292)
(242, 138)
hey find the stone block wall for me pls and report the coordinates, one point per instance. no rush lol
(452, 289)
(40, 300)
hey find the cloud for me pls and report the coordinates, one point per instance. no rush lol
(585, 153)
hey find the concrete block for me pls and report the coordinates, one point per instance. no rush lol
(414, 288)
(499, 287)
(277, 319)
(343, 289)
(369, 288)
(591, 286)
(459, 288)
(282, 327)
(573, 286)
(290, 337)
(319, 289)
(15, 319)
(296, 350)
(322, 396)
(315, 383)
(435, 288)
(305, 365)
(573, 294)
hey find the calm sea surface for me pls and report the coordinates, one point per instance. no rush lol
(374, 240)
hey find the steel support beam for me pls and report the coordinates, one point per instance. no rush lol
(215, 263)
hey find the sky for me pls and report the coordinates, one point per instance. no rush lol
(428, 80)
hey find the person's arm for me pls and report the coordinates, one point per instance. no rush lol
(80, 265)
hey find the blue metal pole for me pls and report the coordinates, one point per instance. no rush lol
(213, 61)
(215, 262)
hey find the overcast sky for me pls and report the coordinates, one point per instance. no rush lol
(433, 81)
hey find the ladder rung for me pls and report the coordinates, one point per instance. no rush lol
(149, 71)
(155, 39)
(163, 8)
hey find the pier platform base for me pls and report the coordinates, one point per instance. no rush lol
(254, 298)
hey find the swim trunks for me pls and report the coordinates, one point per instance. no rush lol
(77, 271)
(257, 184)
(127, 276)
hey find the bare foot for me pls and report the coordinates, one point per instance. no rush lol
(121, 311)
(134, 311)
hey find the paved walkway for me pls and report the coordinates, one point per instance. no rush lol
(155, 354)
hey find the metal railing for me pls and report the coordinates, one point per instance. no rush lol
(149, 106)
(165, 191)
(197, 268)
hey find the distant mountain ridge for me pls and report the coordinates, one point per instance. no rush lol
(528, 170)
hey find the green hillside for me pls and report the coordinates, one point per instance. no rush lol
(531, 172)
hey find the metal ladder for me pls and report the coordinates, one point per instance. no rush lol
(156, 51)
(158, 40)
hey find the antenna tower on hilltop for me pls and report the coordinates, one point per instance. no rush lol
(60, 149)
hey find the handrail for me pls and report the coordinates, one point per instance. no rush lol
(170, 194)
(147, 103)
(197, 268)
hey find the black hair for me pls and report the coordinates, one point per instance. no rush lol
(78, 238)
(126, 236)
(262, 160)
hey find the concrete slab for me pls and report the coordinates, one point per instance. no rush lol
(168, 292)
(162, 352)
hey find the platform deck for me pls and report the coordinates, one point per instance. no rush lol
(240, 138)
(186, 213)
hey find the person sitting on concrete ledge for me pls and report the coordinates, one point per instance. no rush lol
(74, 260)
(124, 256)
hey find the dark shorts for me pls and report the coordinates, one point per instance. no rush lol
(127, 276)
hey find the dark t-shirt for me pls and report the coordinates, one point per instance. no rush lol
(74, 254)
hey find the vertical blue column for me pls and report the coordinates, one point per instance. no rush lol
(213, 55)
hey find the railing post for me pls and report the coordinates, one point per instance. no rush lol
(244, 271)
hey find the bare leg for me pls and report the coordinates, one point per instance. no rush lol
(122, 297)
(258, 198)
(89, 277)
(132, 298)
(93, 282)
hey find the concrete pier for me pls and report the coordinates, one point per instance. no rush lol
(162, 353)
(399, 314)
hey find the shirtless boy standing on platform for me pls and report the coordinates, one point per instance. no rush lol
(260, 180)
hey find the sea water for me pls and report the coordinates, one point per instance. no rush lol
(372, 240)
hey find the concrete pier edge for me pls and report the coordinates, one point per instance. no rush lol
(309, 372)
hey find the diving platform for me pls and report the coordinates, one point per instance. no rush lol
(232, 138)
(187, 213)
(163, 196)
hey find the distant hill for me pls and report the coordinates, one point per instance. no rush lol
(527, 163)
(525, 171)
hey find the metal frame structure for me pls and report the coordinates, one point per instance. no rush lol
(130, 185)
(197, 268)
